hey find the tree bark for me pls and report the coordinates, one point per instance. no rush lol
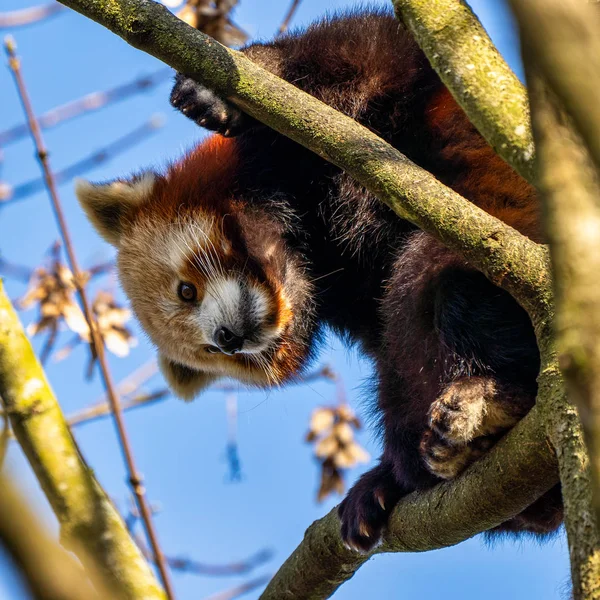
(90, 526)
(571, 190)
(465, 58)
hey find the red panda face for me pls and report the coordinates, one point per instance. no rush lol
(206, 299)
(207, 276)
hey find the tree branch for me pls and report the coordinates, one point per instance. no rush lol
(572, 220)
(86, 104)
(509, 259)
(27, 16)
(520, 468)
(87, 518)
(465, 58)
(563, 37)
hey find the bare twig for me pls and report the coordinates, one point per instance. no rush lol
(288, 17)
(87, 104)
(239, 590)
(27, 16)
(23, 190)
(93, 413)
(194, 567)
(232, 451)
(135, 477)
(101, 408)
(14, 270)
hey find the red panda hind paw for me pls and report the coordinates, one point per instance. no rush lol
(446, 460)
(205, 108)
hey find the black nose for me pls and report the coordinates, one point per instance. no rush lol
(227, 341)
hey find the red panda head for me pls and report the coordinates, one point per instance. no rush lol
(207, 274)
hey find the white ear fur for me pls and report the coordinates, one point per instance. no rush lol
(185, 382)
(107, 204)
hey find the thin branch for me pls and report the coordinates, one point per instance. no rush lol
(27, 16)
(563, 36)
(87, 104)
(194, 567)
(572, 219)
(14, 270)
(471, 67)
(135, 477)
(288, 17)
(94, 413)
(90, 525)
(240, 590)
(8, 194)
(129, 385)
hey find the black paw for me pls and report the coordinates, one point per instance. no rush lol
(365, 511)
(205, 108)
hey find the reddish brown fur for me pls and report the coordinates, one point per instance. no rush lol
(482, 176)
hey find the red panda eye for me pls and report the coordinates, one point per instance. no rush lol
(187, 292)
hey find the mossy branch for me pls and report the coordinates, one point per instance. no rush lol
(465, 58)
(505, 256)
(517, 470)
(570, 187)
(88, 520)
(563, 37)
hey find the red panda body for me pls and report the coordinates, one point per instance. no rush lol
(455, 357)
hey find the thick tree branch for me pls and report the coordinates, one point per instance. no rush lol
(563, 37)
(467, 61)
(506, 257)
(50, 573)
(87, 518)
(571, 191)
(520, 468)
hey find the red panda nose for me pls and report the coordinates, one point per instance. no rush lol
(227, 341)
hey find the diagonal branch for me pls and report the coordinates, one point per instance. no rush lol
(27, 16)
(467, 61)
(87, 518)
(97, 343)
(505, 256)
(86, 104)
(571, 190)
(517, 470)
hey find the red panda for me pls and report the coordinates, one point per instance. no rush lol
(239, 255)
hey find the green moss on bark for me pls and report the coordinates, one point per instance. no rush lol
(87, 518)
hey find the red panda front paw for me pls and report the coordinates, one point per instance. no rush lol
(365, 511)
(205, 108)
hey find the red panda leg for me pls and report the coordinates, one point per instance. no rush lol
(366, 509)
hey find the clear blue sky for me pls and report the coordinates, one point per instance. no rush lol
(180, 448)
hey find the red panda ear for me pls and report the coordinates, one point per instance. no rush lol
(185, 382)
(108, 204)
